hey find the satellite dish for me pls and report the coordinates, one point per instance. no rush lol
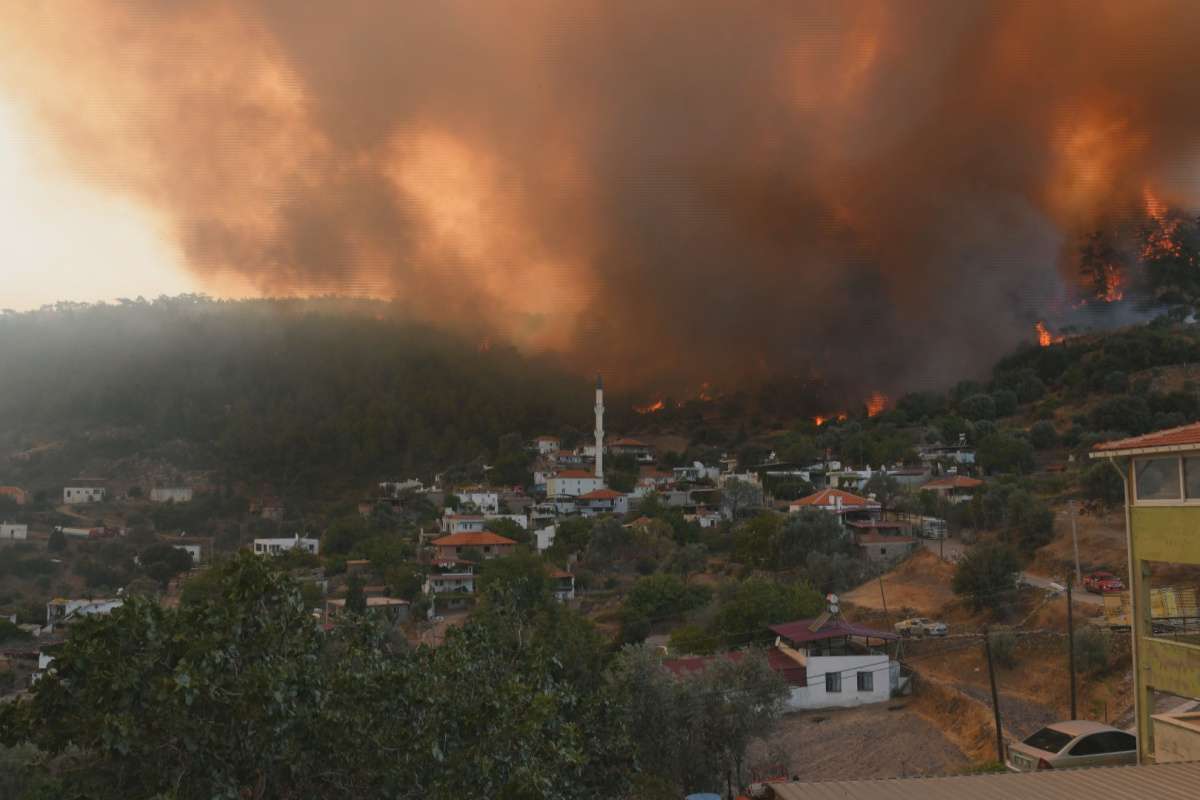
(832, 600)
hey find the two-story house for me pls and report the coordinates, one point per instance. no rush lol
(1161, 474)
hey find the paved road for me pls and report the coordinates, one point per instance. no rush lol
(1079, 595)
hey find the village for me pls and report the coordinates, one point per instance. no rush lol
(694, 560)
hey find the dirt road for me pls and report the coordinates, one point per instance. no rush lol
(884, 740)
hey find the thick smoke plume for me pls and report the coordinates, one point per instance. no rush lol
(884, 194)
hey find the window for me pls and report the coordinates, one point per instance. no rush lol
(1157, 478)
(1049, 740)
(1115, 742)
(1191, 478)
(1089, 746)
(866, 682)
(833, 681)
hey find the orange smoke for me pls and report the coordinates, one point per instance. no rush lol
(656, 406)
(1045, 338)
(876, 403)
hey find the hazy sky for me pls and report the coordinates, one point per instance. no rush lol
(65, 240)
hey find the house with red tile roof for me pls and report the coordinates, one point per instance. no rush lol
(602, 501)
(826, 662)
(846, 505)
(488, 544)
(953, 488)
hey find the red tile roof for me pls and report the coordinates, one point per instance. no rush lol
(799, 632)
(777, 660)
(1179, 438)
(472, 539)
(954, 482)
(601, 494)
(825, 497)
(575, 473)
(627, 442)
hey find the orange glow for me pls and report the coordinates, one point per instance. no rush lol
(876, 403)
(1112, 285)
(821, 419)
(1045, 338)
(1161, 242)
(705, 393)
(656, 406)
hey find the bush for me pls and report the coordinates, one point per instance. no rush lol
(1043, 435)
(1005, 403)
(1091, 650)
(979, 406)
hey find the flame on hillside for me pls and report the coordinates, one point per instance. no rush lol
(876, 403)
(1044, 337)
(705, 393)
(1161, 241)
(821, 419)
(652, 408)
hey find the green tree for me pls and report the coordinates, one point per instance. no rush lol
(522, 578)
(57, 541)
(1043, 435)
(745, 610)
(356, 598)
(1001, 452)
(1102, 484)
(987, 575)
(163, 561)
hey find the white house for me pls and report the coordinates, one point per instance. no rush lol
(844, 664)
(396, 488)
(573, 483)
(73, 495)
(174, 494)
(844, 505)
(602, 501)
(546, 445)
(192, 550)
(544, 537)
(520, 519)
(705, 518)
(273, 547)
(60, 611)
(696, 472)
(12, 530)
(462, 523)
(485, 500)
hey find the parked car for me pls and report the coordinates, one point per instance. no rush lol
(920, 626)
(1076, 743)
(1102, 582)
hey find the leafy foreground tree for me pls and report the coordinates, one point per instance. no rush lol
(692, 733)
(237, 694)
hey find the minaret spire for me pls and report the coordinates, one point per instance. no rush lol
(599, 427)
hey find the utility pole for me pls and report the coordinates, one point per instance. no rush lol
(883, 597)
(1074, 512)
(1071, 645)
(987, 649)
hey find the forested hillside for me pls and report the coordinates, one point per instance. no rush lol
(294, 392)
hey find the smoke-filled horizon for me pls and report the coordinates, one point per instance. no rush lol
(885, 195)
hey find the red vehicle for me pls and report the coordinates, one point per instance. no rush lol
(1102, 583)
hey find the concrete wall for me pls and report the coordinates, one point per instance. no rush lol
(1176, 737)
(814, 695)
(11, 530)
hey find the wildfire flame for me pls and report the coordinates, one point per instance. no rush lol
(876, 403)
(1045, 338)
(1112, 285)
(1161, 242)
(705, 393)
(656, 406)
(821, 419)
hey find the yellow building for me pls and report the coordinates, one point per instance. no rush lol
(1161, 472)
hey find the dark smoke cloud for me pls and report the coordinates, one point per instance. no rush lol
(886, 193)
